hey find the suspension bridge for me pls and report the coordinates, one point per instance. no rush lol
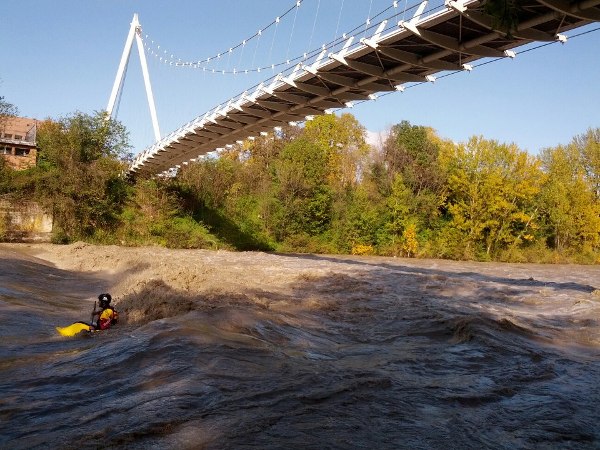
(393, 55)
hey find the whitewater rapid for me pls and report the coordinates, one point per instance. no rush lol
(252, 350)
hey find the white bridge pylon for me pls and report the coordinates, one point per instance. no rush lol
(134, 32)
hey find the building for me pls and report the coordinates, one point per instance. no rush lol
(18, 142)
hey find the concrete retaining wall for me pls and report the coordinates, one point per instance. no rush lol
(24, 221)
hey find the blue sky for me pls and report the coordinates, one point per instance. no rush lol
(61, 56)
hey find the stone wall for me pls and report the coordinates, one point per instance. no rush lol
(24, 221)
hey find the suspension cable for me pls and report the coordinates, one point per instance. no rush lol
(313, 29)
(287, 56)
(337, 27)
(165, 54)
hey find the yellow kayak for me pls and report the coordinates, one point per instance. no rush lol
(73, 329)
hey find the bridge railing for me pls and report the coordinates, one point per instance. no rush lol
(382, 35)
(381, 23)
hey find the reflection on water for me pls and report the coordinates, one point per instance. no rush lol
(391, 357)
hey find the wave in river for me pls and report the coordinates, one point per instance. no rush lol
(352, 354)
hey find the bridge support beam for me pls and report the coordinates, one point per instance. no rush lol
(580, 10)
(449, 43)
(487, 21)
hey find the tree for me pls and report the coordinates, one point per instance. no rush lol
(7, 110)
(262, 151)
(301, 190)
(409, 240)
(211, 180)
(80, 172)
(362, 224)
(412, 152)
(401, 205)
(344, 140)
(569, 200)
(588, 146)
(492, 192)
(82, 138)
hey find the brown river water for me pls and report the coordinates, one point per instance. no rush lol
(222, 350)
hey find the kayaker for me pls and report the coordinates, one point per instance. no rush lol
(107, 315)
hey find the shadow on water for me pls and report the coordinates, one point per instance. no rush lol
(390, 357)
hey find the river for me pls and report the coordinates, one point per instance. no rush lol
(220, 350)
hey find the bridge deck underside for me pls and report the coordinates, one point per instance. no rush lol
(407, 53)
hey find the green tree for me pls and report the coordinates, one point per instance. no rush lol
(231, 196)
(362, 221)
(260, 153)
(154, 214)
(303, 196)
(401, 205)
(343, 138)
(80, 172)
(5, 176)
(413, 152)
(212, 181)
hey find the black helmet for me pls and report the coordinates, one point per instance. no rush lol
(104, 300)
